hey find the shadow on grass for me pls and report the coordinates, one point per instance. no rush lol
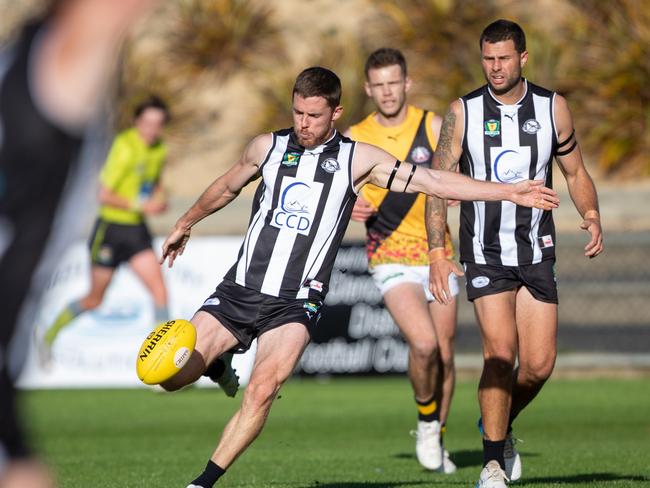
(462, 459)
(380, 484)
(586, 478)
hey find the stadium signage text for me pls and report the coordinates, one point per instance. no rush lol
(356, 334)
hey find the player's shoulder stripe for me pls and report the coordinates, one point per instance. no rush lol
(539, 90)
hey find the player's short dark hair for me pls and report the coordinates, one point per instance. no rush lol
(153, 101)
(319, 82)
(504, 30)
(385, 56)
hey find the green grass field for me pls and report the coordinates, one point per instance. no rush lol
(340, 433)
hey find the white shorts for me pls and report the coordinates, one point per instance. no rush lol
(386, 276)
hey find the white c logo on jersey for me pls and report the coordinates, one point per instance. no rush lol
(297, 205)
(507, 174)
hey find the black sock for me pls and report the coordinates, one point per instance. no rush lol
(428, 411)
(210, 475)
(443, 431)
(215, 369)
(493, 450)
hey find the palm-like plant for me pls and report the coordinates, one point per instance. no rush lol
(221, 35)
(345, 55)
(189, 53)
(611, 42)
(440, 40)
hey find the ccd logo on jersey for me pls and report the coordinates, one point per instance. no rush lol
(297, 205)
(511, 166)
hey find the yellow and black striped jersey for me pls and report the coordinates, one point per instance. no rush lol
(397, 232)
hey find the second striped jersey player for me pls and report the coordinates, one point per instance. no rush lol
(506, 131)
(508, 143)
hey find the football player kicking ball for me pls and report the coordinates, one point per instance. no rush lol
(311, 176)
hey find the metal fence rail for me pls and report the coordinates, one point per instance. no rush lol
(612, 290)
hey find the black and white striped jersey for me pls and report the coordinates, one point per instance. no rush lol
(300, 212)
(507, 143)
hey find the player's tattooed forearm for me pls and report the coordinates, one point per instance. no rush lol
(435, 222)
(445, 157)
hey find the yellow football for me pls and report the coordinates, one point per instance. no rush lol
(165, 351)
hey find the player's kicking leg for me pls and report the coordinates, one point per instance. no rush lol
(212, 340)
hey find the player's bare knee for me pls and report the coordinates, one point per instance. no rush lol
(425, 350)
(260, 394)
(501, 365)
(535, 373)
(446, 361)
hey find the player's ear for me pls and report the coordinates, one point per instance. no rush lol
(366, 87)
(407, 84)
(336, 114)
(523, 59)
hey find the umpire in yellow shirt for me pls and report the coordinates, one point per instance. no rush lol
(129, 191)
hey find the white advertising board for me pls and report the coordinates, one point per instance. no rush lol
(99, 348)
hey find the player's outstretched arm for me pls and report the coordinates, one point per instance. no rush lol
(581, 186)
(376, 166)
(220, 193)
(445, 157)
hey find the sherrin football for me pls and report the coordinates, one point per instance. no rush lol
(165, 351)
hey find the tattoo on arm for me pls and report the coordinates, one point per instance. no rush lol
(445, 157)
(436, 221)
(436, 208)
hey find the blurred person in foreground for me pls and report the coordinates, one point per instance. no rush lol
(397, 249)
(52, 77)
(130, 190)
(311, 176)
(509, 130)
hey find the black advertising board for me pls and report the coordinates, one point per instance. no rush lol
(356, 334)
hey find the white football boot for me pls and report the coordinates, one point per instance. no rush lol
(512, 458)
(492, 476)
(448, 466)
(228, 381)
(427, 444)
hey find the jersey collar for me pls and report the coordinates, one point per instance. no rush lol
(525, 94)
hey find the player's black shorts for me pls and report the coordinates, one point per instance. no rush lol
(248, 313)
(539, 279)
(111, 244)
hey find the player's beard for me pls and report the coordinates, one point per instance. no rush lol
(313, 140)
(511, 83)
